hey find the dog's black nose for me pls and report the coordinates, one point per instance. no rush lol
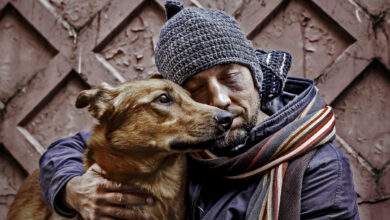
(224, 120)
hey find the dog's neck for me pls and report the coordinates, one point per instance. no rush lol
(155, 172)
(122, 166)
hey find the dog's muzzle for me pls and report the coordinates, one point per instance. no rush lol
(223, 121)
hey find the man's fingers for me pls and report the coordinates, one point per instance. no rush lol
(124, 200)
(105, 218)
(96, 168)
(117, 187)
(121, 213)
(110, 187)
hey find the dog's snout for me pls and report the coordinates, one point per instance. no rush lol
(224, 120)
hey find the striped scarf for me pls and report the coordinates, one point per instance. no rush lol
(270, 158)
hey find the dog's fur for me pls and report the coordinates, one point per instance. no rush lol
(144, 129)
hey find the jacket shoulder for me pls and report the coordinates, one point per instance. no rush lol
(327, 187)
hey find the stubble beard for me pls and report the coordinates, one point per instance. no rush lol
(238, 135)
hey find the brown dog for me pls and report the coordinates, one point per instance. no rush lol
(144, 130)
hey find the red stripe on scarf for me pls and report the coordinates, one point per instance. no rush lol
(275, 197)
(314, 131)
(302, 129)
(260, 152)
(262, 149)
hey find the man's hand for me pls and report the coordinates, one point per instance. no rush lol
(95, 197)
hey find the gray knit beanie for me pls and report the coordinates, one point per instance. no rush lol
(196, 39)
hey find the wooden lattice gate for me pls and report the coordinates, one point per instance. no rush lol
(52, 49)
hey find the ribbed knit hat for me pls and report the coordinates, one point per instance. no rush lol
(196, 39)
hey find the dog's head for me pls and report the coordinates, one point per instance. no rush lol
(153, 116)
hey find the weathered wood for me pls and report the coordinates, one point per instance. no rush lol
(52, 49)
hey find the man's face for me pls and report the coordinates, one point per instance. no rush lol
(229, 87)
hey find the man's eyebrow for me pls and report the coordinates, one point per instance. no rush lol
(196, 77)
(227, 68)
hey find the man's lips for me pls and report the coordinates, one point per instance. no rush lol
(237, 122)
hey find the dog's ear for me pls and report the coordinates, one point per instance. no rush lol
(99, 101)
(86, 97)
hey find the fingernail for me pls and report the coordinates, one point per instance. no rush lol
(149, 200)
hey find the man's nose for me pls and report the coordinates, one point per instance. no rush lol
(219, 97)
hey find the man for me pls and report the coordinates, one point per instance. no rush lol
(278, 161)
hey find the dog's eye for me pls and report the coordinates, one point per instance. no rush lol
(164, 99)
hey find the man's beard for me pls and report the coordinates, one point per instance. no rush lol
(230, 143)
(237, 136)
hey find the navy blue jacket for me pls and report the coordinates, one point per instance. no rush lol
(327, 188)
